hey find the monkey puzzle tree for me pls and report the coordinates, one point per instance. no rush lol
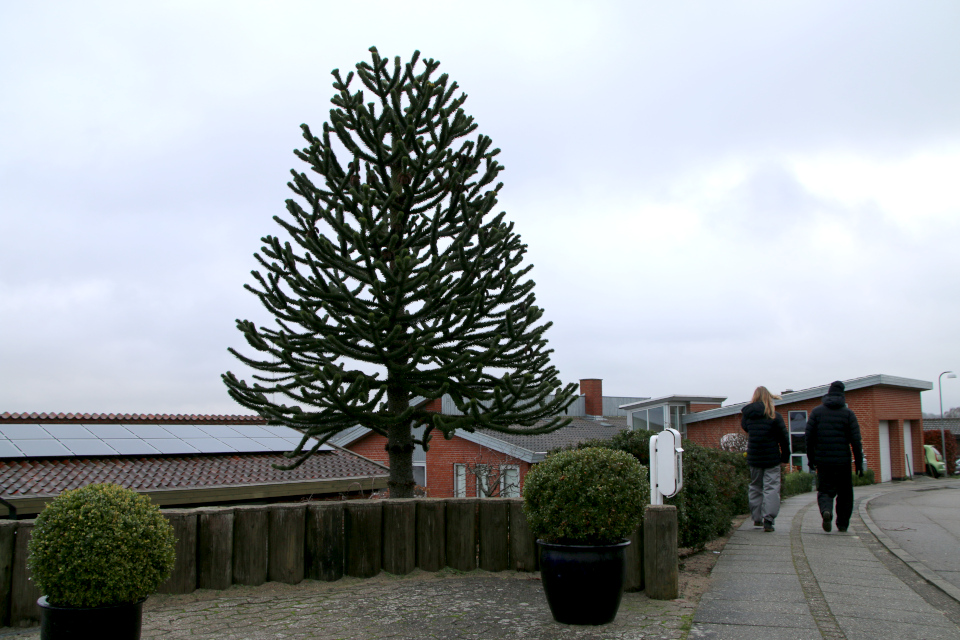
(396, 282)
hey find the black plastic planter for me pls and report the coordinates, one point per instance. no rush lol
(121, 622)
(584, 584)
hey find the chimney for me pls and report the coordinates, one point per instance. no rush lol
(592, 389)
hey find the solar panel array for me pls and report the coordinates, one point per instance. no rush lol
(75, 440)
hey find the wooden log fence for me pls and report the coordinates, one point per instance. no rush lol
(250, 545)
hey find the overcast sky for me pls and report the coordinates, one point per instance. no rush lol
(714, 195)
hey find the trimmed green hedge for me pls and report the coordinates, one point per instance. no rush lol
(589, 496)
(796, 483)
(868, 478)
(714, 485)
(100, 545)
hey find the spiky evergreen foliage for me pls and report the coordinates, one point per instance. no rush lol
(397, 282)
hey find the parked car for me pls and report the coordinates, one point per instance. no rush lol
(935, 464)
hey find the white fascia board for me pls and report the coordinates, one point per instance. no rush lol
(674, 399)
(506, 448)
(815, 392)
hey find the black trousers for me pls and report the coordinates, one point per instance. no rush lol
(835, 481)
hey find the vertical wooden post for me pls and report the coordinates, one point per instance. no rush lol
(523, 547)
(8, 539)
(661, 570)
(215, 548)
(634, 560)
(24, 610)
(250, 533)
(461, 541)
(324, 550)
(494, 544)
(399, 536)
(362, 530)
(431, 534)
(183, 579)
(285, 546)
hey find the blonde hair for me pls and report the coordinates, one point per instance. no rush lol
(763, 395)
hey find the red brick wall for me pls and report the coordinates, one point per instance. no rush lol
(871, 405)
(441, 457)
(696, 408)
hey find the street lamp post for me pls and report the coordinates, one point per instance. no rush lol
(943, 438)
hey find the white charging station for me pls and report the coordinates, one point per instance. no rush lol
(666, 465)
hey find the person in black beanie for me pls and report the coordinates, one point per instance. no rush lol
(832, 431)
(767, 448)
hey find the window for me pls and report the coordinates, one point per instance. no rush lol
(639, 420)
(509, 481)
(459, 481)
(676, 419)
(798, 427)
(483, 486)
(420, 473)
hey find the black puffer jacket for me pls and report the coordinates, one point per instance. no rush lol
(768, 445)
(832, 430)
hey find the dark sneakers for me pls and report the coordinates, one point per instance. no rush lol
(768, 526)
(841, 529)
(827, 521)
(758, 523)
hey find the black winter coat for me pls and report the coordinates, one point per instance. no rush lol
(832, 430)
(768, 445)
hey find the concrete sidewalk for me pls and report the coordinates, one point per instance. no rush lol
(802, 583)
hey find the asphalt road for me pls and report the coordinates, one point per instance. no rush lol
(925, 522)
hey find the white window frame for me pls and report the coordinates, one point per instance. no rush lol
(459, 480)
(503, 481)
(423, 465)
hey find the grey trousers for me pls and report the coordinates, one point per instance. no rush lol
(764, 493)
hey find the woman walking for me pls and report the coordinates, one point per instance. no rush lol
(767, 448)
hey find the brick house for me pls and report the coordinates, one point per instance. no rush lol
(887, 408)
(456, 467)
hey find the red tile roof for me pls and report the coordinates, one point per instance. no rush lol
(20, 478)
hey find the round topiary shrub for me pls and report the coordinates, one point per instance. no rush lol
(100, 545)
(586, 497)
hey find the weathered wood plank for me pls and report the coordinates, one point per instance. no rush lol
(183, 579)
(362, 529)
(24, 610)
(285, 549)
(461, 540)
(634, 559)
(523, 546)
(661, 569)
(431, 534)
(494, 519)
(399, 536)
(8, 540)
(325, 547)
(250, 534)
(215, 548)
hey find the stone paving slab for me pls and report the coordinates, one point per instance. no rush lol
(446, 604)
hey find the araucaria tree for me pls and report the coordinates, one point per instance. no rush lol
(396, 283)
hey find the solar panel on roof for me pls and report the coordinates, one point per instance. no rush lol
(171, 446)
(69, 440)
(7, 450)
(246, 445)
(251, 431)
(68, 431)
(23, 432)
(218, 431)
(89, 447)
(132, 447)
(209, 445)
(109, 431)
(148, 431)
(41, 448)
(185, 431)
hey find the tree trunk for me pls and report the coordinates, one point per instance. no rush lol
(400, 447)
